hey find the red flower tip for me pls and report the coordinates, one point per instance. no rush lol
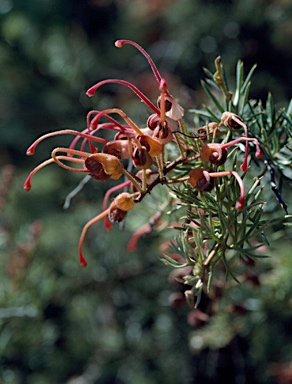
(82, 261)
(244, 166)
(119, 43)
(27, 184)
(30, 150)
(90, 92)
(240, 204)
(259, 153)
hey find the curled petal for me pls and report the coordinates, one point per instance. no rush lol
(209, 131)
(141, 158)
(231, 120)
(96, 169)
(111, 164)
(118, 148)
(116, 215)
(214, 153)
(152, 145)
(200, 179)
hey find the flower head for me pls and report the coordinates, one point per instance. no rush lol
(138, 157)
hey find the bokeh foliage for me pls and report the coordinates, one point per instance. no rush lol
(112, 322)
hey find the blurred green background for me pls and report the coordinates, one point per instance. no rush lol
(112, 322)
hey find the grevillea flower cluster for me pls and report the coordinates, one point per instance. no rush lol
(202, 169)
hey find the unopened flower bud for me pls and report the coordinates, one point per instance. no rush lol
(120, 206)
(124, 201)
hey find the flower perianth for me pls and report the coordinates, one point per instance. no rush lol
(125, 184)
(111, 164)
(217, 154)
(120, 206)
(124, 201)
(214, 153)
(202, 180)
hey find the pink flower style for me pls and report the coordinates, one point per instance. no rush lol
(144, 147)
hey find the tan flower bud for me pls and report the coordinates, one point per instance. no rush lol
(228, 120)
(111, 164)
(214, 153)
(200, 179)
(124, 201)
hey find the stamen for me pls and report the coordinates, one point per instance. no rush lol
(32, 148)
(91, 91)
(244, 165)
(120, 43)
(27, 183)
(56, 159)
(82, 260)
(73, 159)
(115, 123)
(112, 126)
(162, 88)
(233, 142)
(95, 120)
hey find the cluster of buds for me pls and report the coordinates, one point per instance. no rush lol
(139, 156)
